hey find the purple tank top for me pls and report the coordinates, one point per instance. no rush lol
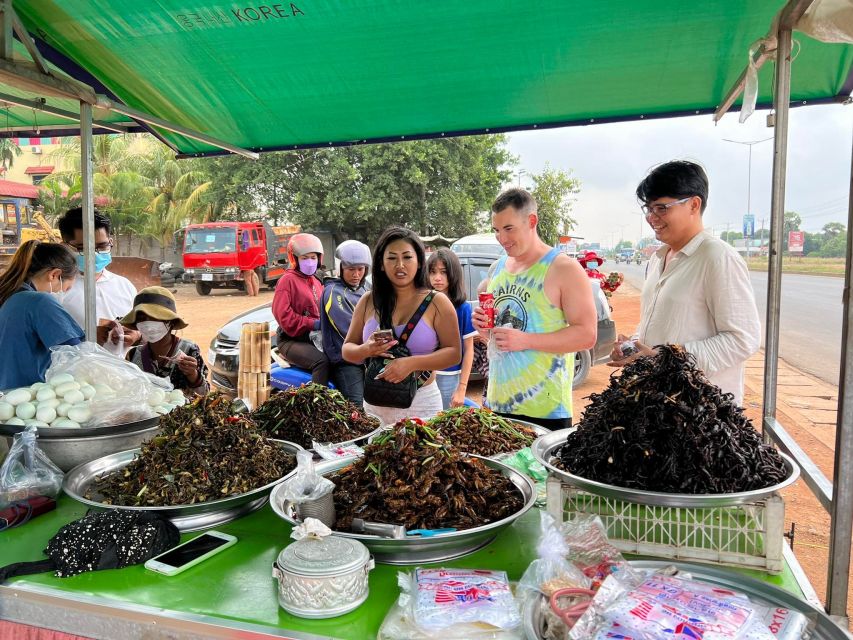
(423, 340)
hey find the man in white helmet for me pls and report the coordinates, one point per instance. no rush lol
(340, 296)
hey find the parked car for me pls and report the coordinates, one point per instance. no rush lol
(478, 244)
(224, 353)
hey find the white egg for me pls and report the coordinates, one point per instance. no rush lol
(180, 402)
(65, 389)
(176, 395)
(52, 403)
(16, 421)
(88, 391)
(38, 385)
(79, 414)
(163, 409)
(65, 423)
(7, 411)
(46, 414)
(18, 396)
(45, 393)
(73, 397)
(61, 379)
(62, 409)
(36, 423)
(156, 397)
(25, 410)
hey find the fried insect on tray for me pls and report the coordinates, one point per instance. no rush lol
(203, 453)
(412, 476)
(662, 426)
(481, 431)
(313, 412)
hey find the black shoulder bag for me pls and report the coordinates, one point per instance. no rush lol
(401, 394)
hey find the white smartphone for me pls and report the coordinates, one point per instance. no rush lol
(190, 553)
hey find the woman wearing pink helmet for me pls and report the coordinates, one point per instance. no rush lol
(296, 307)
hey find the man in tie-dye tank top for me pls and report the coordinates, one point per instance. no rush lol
(544, 313)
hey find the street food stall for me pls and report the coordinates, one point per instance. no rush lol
(290, 81)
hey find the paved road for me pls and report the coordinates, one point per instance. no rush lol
(811, 318)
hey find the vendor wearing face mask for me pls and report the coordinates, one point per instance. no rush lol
(162, 353)
(296, 307)
(113, 293)
(32, 319)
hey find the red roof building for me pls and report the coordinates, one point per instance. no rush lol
(40, 171)
(18, 190)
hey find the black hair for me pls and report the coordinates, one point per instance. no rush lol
(73, 220)
(455, 276)
(32, 258)
(383, 294)
(519, 199)
(677, 179)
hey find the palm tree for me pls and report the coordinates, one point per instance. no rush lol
(57, 194)
(9, 150)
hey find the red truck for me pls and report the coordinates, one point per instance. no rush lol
(216, 254)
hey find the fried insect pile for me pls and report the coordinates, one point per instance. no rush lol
(203, 453)
(481, 431)
(661, 426)
(412, 476)
(313, 412)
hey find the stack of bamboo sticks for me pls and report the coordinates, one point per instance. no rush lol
(253, 376)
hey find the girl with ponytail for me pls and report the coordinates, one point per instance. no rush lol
(32, 319)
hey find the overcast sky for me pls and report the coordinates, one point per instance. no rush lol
(610, 160)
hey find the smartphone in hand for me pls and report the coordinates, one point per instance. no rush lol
(190, 553)
(383, 335)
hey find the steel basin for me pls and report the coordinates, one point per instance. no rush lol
(417, 550)
(191, 517)
(545, 447)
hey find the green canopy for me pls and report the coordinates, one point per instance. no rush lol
(269, 75)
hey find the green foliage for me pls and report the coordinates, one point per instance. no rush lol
(624, 244)
(553, 190)
(834, 247)
(8, 152)
(832, 229)
(731, 236)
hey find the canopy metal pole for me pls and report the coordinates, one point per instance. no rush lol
(88, 204)
(841, 526)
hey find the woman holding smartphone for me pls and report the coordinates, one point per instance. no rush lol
(400, 286)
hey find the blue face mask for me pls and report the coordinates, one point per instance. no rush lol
(102, 260)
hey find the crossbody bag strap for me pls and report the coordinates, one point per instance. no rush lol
(409, 327)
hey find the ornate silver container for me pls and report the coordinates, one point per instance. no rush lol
(322, 577)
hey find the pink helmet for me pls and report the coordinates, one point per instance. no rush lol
(303, 243)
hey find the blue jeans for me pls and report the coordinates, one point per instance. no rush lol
(349, 379)
(447, 386)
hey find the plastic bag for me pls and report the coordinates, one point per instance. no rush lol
(116, 348)
(336, 452)
(27, 471)
(551, 570)
(673, 607)
(445, 598)
(126, 393)
(306, 485)
(591, 551)
(399, 625)
(828, 21)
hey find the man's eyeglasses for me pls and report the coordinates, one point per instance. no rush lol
(104, 247)
(662, 209)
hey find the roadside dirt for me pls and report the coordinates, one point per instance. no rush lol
(806, 408)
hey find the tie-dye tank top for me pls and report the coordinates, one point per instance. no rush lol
(530, 383)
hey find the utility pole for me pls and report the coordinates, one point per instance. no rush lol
(518, 174)
(748, 143)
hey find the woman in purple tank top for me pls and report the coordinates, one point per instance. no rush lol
(399, 287)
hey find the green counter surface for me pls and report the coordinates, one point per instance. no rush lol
(237, 585)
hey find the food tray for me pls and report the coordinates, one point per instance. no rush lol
(418, 550)
(545, 447)
(757, 591)
(186, 517)
(47, 433)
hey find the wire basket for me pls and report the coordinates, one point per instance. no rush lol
(744, 535)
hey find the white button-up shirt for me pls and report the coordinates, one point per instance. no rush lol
(114, 296)
(703, 300)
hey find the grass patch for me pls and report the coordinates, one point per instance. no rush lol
(802, 264)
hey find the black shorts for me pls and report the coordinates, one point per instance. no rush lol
(553, 424)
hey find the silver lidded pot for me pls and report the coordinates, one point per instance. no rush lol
(321, 575)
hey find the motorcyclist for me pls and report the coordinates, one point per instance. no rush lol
(340, 295)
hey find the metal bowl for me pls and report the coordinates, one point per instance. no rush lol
(417, 550)
(189, 517)
(545, 447)
(758, 592)
(68, 448)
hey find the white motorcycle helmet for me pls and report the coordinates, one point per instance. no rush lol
(352, 253)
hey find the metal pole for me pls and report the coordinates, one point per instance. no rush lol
(781, 101)
(88, 204)
(841, 526)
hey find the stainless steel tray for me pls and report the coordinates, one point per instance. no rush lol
(419, 550)
(545, 447)
(47, 433)
(757, 591)
(190, 517)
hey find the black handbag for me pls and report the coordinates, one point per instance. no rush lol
(398, 395)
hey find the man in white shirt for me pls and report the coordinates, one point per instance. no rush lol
(114, 294)
(697, 291)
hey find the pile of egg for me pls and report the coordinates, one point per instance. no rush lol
(66, 402)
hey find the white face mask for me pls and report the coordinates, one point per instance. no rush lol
(59, 295)
(152, 330)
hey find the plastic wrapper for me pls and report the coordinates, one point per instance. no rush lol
(400, 625)
(591, 552)
(311, 528)
(27, 471)
(828, 21)
(551, 570)
(444, 599)
(306, 485)
(133, 395)
(674, 607)
(336, 452)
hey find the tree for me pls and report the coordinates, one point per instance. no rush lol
(813, 243)
(58, 194)
(731, 236)
(553, 190)
(834, 247)
(9, 150)
(792, 222)
(832, 229)
(624, 244)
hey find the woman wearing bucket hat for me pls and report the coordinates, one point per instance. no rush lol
(162, 353)
(296, 307)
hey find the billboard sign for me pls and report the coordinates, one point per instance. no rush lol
(796, 241)
(748, 225)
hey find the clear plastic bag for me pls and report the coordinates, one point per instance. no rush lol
(591, 551)
(551, 570)
(306, 485)
(27, 471)
(400, 625)
(126, 393)
(115, 348)
(328, 451)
